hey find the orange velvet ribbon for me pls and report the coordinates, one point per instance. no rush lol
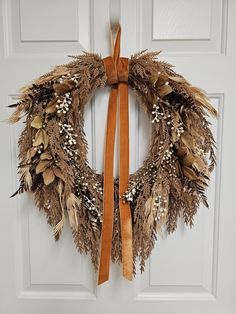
(117, 70)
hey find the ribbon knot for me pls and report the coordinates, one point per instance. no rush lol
(116, 74)
(117, 70)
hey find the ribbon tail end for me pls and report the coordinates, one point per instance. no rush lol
(102, 279)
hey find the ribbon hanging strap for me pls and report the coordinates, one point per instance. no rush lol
(117, 76)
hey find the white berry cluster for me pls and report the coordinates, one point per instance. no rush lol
(180, 129)
(63, 103)
(159, 114)
(160, 207)
(69, 76)
(129, 196)
(70, 142)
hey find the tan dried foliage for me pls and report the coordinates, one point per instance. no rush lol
(65, 186)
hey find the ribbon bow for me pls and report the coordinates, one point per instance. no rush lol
(117, 70)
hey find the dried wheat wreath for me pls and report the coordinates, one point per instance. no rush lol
(54, 166)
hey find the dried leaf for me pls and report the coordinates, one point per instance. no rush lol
(181, 151)
(31, 153)
(203, 180)
(42, 165)
(59, 225)
(154, 78)
(38, 138)
(37, 122)
(188, 160)
(45, 156)
(200, 164)
(149, 205)
(63, 88)
(51, 107)
(45, 139)
(202, 183)
(15, 117)
(48, 176)
(187, 140)
(204, 101)
(73, 219)
(189, 173)
(178, 79)
(27, 177)
(165, 90)
(72, 202)
(58, 173)
(60, 190)
(70, 83)
(149, 214)
(41, 137)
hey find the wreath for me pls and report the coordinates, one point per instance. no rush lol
(53, 162)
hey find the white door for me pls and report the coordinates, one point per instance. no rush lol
(191, 271)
